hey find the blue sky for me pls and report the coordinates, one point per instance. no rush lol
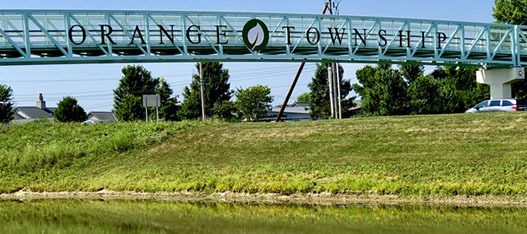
(92, 84)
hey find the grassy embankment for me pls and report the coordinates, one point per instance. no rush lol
(415, 156)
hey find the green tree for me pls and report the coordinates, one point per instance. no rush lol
(130, 108)
(6, 105)
(216, 90)
(411, 72)
(304, 98)
(424, 94)
(423, 91)
(512, 12)
(136, 82)
(383, 90)
(459, 89)
(68, 110)
(254, 102)
(191, 105)
(226, 110)
(169, 108)
(319, 95)
(386, 91)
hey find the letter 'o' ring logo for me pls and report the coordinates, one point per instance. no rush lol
(255, 35)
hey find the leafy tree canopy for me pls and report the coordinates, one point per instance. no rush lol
(6, 105)
(136, 82)
(216, 90)
(69, 111)
(510, 11)
(411, 72)
(383, 90)
(254, 102)
(388, 91)
(169, 108)
(304, 98)
(226, 110)
(130, 108)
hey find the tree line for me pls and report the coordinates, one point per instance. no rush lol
(251, 104)
(384, 90)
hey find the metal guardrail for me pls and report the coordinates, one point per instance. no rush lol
(65, 37)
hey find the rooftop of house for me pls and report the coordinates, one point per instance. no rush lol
(296, 104)
(38, 111)
(33, 113)
(297, 108)
(102, 116)
(17, 116)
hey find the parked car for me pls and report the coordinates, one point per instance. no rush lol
(499, 105)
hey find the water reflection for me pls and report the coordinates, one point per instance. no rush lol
(73, 216)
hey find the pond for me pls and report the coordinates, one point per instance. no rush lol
(95, 216)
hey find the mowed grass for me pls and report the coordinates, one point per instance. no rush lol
(413, 156)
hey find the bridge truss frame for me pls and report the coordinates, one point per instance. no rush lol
(53, 36)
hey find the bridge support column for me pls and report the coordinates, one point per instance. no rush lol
(500, 80)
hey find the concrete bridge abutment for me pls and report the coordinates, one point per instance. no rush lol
(500, 80)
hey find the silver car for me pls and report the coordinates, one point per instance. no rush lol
(499, 105)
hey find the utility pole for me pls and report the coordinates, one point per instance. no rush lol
(335, 90)
(339, 99)
(331, 94)
(204, 116)
(336, 97)
(335, 100)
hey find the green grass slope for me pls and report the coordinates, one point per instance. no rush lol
(415, 156)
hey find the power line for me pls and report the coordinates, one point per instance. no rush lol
(106, 96)
(260, 75)
(243, 71)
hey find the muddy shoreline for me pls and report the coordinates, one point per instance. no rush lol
(322, 199)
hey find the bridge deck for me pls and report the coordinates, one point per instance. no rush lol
(62, 37)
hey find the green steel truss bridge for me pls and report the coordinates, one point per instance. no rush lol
(65, 37)
(30, 37)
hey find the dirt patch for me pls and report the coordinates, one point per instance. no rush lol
(323, 199)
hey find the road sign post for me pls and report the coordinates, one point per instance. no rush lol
(152, 100)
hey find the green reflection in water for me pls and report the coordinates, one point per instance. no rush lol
(73, 216)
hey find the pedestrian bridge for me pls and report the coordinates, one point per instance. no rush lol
(30, 37)
(72, 37)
